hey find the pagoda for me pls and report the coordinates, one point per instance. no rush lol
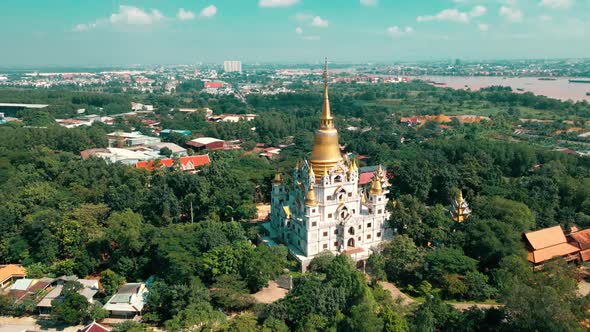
(459, 208)
(325, 208)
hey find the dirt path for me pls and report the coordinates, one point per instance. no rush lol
(270, 294)
(396, 292)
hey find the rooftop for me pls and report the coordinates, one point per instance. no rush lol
(11, 271)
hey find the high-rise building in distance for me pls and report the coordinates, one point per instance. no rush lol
(232, 66)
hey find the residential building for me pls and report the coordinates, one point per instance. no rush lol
(213, 85)
(167, 132)
(177, 151)
(121, 139)
(188, 163)
(232, 66)
(325, 208)
(88, 290)
(94, 327)
(124, 156)
(10, 273)
(208, 143)
(128, 302)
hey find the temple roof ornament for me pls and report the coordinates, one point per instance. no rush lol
(459, 208)
(326, 150)
(278, 180)
(376, 188)
(310, 199)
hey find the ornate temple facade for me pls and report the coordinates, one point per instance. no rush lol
(323, 208)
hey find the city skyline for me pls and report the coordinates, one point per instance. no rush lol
(66, 33)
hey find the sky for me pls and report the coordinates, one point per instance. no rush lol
(124, 32)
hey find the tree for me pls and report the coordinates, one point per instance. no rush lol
(230, 293)
(71, 308)
(393, 322)
(165, 151)
(446, 260)
(110, 282)
(403, 259)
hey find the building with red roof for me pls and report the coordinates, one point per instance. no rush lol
(213, 85)
(547, 243)
(94, 327)
(188, 163)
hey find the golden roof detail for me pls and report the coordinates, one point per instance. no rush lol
(376, 188)
(310, 199)
(326, 150)
(278, 180)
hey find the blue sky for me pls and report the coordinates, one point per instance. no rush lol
(100, 32)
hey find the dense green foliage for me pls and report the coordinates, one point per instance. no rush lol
(62, 215)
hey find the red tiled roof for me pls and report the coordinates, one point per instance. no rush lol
(213, 84)
(562, 249)
(366, 177)
(12, 271)
(94, 327)
(186, 162)
(582, 238)
(546, 237)
(585, 255)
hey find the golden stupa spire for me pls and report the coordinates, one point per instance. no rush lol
(376, 188)
(278, 180)
(311, 172)
(460, 196)
(326, 120)
(310, 199)
(326, 150)
(298, 164)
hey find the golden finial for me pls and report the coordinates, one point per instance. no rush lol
(325, 171)
(278, 180)
(311, 173)
(310, 199)
(298, 164)
(376, 188)
(364, 199)
(460, 196)
(326, 120)
(380, 171)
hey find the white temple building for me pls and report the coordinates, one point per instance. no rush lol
(324, 208)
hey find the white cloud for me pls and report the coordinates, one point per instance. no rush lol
(369, 2)
(185, 15)
(478, 11)
(127, 15)
(319, 22)
(311, 37)
(298, 30)
(396, 31)
(483, 27)
(84, 27)
(511, 14)
(277, 3)
(454, 15)
(209, 11)
(130, 15)
(557, 4)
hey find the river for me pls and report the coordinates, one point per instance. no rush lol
(560, 88)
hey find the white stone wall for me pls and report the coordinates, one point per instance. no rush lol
(314, 229)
